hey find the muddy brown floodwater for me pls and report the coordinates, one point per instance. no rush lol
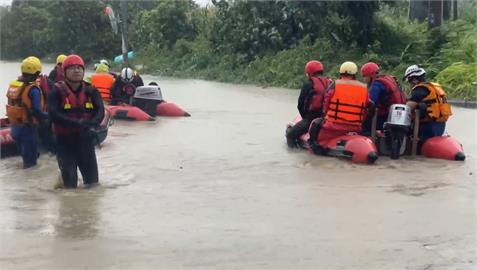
(220, 190)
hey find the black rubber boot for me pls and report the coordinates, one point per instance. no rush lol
(317, 149)
(460, 156)
(292, 143)
(293, 133)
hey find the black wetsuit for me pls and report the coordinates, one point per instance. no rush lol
(306, 94)
(119, 90)
(76, 149)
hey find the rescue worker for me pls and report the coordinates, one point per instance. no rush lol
(45, 133)
(76, 108)
(102, 61)
(56, 74)
(345, 108)
(310, 100)
(124, 88)
(384, 90)
(26, 110)
(430, 99)
(106, 62)
(137, 80)
(103, 81)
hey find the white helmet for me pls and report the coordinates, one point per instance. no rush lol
(127, 74)
(349, 68)
(413, 71)
(104, 61)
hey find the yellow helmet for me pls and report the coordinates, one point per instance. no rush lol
(60, 58)
(31, 65)
(349, 68)
(102, 68)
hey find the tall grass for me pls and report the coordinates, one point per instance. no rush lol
(448, 54)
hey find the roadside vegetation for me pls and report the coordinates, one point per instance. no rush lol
(257, 42)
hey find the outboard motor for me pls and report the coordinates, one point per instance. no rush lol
(147, 98)
(396, 129)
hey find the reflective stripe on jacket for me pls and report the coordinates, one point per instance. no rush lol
(348, 102)
(437, 107)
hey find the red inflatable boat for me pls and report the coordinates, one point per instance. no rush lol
(129, 112)
(357, 148)
(170, 109)
(443, 147)
(395, 139)
(9, 148)
(7, 144)
(149, 98)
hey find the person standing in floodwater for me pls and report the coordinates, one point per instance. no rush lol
(26, 110)
(75, 108)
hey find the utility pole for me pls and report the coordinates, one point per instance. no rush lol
(124, 29)
(446, 13)
(435, 13)
(454, 10)
(418, 10)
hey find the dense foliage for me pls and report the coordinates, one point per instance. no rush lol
(264, 42)
(47, 28)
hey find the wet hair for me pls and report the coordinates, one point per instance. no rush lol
(26, 77)
(153, 83)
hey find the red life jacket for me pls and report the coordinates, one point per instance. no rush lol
(60, 74)
(43, 82)
(129, 89)
(394, 95)
(320, 85)
(77, 106)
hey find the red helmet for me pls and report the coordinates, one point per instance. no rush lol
(313, 67)
(369, 69)
(72, 60)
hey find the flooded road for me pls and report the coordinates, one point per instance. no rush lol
(220, 190)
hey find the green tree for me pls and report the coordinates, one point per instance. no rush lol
(21, 31)
(51, 27)
(255, 28)
(82, 27)
(164, 25)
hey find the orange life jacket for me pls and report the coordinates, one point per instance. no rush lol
(438, 109)
(103, 82)
(19, 105)
(348, 103)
